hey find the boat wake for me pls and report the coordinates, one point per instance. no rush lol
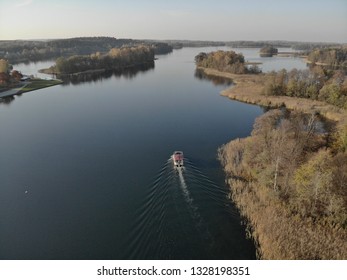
(175, 218)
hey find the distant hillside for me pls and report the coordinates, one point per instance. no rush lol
(306, 46)
(16, 51)
(24, 51)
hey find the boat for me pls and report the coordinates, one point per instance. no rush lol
(177, 158)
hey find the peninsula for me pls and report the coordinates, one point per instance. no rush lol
(12, 82)
(250, 88)
(114, 59)
(289, 178)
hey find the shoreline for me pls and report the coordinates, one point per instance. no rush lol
(248, 88)
(284, 235)
(51, 71)
(32, 85)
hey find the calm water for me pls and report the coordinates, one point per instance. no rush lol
(85, 170)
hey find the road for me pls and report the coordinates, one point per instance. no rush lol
(12, 91)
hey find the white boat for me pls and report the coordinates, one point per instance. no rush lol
(177, 159)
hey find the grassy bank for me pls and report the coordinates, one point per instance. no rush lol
(36, 84)
(288, 179)
(291, 188)
(249, 88)
(52, 71)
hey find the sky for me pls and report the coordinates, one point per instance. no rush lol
(215, 20)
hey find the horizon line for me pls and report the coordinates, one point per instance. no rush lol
(189, 40)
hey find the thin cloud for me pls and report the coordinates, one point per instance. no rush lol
(23, 4)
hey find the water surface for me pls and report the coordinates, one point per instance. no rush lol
(85, 170)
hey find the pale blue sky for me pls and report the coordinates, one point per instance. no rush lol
(301, 20)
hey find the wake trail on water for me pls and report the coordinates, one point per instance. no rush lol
(171, 213)
(150, 217)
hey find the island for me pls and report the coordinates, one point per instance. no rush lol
(288, 178)
(268, 51)
(226, 61)
(114, 59)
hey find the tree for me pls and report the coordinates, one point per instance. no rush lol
(202, 59)
(4, 79)
(332, 94)
(329, 56)
(16, 75)
(313, 183)
(61, 65)
(226, 61)
(341, 139)
(4, 66)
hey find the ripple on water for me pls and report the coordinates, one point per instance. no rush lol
(177, 217)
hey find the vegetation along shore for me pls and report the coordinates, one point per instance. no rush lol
(115, 59)
(289, 178)
(12, 82)
(250, 89)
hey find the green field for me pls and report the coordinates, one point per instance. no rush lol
(38, 84)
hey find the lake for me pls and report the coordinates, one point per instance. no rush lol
(86, 171)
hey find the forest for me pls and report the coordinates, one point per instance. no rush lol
(304, 46)
(115, 59)
(27, 51)
(317, 83)
(333, 57)
(225, 61)
(289, 180)
(17, 51)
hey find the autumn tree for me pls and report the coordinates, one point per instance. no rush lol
(336, 56)
(16, 75)
(227, 61)
(116, 58)
(291, 186)
(4, 66)
(200, 58)
(340, 143)
(319, 193)
(316, 84)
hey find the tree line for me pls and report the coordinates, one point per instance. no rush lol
(334, 57)
(305, 46)
(26, 51)
(115, 59)
(317, 83)
(225, 61)
(289, 179)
